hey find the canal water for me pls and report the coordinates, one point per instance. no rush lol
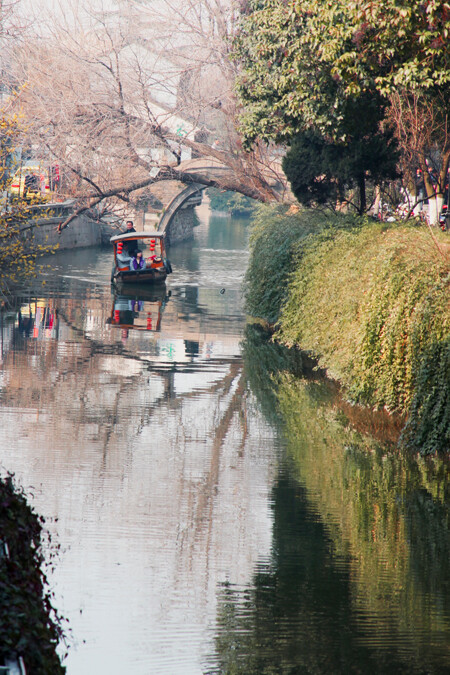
(218, 507)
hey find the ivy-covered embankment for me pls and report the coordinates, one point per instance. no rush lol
(370, 301)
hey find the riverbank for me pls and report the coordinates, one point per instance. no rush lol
(30, 628)
(369, 301)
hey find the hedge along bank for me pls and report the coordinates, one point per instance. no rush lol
(370, 301)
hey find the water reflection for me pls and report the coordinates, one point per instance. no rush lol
(358, 577)
(37, 320)
(138, 308)
(304, 614)
(145, 451)
(216, 513)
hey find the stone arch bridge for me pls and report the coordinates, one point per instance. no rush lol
(169, 205)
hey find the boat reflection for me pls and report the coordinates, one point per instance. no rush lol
(138, 308)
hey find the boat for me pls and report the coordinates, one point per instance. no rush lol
(153, 249)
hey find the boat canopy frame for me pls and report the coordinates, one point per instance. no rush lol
(126, 236)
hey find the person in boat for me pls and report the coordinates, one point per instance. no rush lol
(123, 256)
(138, 261)
(132, 245)
(129, 227)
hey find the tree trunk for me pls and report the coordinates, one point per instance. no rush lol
(377, 203)
(435, 194)
(362, 193)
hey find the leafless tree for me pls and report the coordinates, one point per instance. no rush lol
(11, 23)
(12, 28)
(119, 96)
(422, 127)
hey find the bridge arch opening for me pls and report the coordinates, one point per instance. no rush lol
(177, 229)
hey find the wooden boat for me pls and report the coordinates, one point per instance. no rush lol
(154, 253)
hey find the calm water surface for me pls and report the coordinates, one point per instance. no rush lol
(212, 516)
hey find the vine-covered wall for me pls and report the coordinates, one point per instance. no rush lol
(370, 301)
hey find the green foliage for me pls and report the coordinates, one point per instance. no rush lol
(272, 246)
(395, 44)
(302, 65)
(323, 172)
(333, 68)
(357, 531)
(18, 254)
(232, 202)
(283, 87)
(369, 301)
(428, 425)
(10, 129)
(28, 624)
(275, 246)
(310, 166)
(17, 251)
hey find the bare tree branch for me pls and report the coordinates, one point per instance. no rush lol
(113, 95)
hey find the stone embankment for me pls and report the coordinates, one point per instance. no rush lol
(83, 231)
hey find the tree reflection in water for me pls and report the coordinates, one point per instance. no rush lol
(152, 454)
(358, 580)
